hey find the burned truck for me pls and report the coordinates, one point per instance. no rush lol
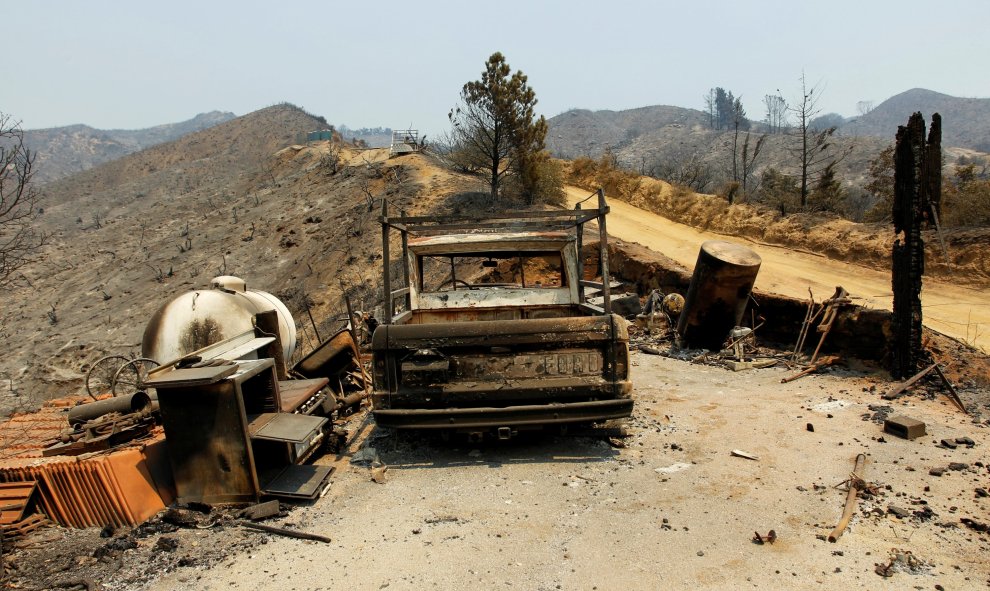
(493, 330)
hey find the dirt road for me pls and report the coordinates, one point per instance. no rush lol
(957, 311)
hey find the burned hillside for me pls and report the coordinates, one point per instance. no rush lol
(241, 199)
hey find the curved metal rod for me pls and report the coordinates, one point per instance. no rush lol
(850, 507)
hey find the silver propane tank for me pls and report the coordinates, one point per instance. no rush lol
(203, 317)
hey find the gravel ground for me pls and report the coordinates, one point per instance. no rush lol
(673, 508)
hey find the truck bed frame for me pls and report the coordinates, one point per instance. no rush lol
(519, 221)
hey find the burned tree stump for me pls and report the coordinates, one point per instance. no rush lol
(917, 200)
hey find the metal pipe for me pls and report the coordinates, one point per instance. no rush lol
(354, 398)
(386, 278)
(313, 322)
(579, 231)
(349, 400)
(603, 245)
(850, 508)
(405, 262)
(136, 402)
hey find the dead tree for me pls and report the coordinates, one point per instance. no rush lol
(813, 149)
(917, 202)
(776, 116)
(749, 159)
(330, 160)
(20, 237)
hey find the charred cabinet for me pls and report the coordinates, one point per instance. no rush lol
(227, 441)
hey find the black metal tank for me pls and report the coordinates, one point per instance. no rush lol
(716, 299)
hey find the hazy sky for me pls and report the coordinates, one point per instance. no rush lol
(361, 63)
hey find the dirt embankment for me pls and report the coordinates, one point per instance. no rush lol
(960, 311)
(859, 335)
(863, 244)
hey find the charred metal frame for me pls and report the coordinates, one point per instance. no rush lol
(509, 221)
(228, 442)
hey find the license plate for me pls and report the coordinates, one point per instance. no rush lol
(529, 365)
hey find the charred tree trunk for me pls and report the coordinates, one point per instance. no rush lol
(917, 197)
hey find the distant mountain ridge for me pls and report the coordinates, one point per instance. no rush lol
(965, 121)
(678, 144)
(63, 151)
(212, 159)
(580, 132)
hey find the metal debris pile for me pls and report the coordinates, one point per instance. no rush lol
(655, 334)
(903, 561)
(106, 424)
(81, 462)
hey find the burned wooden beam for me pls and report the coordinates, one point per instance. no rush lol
(281, 531)
(917, 199)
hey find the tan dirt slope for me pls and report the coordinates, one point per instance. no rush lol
(959, 311)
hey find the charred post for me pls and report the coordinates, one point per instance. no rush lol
(932, 172)
(386, 277)
(917, 200)
(603, 251)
